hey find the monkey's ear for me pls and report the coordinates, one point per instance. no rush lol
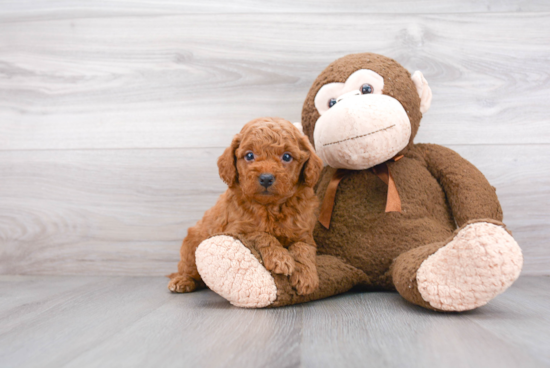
(299, 127)
(424, 91)
(227, 163)
(312, 167)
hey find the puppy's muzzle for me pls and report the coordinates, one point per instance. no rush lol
(266, 180)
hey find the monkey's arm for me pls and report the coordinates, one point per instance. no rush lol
(470, 195)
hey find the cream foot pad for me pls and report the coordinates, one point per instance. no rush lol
(481, 262)
(229, 269)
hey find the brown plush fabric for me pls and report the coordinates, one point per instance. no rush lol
(404, 267)
(335, 277)
(363, 237)
(404, 270)
(439, 191)
(367, 237)
(384, 246)
(469, 193)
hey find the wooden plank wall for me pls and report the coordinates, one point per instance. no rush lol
(112, 115)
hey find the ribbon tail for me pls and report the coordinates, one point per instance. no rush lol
(393, 202)
(327, 206)
(325, 215)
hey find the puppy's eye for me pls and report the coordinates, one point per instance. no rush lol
(331, 102)
(249, 156)
(286, 157)
(366, 89)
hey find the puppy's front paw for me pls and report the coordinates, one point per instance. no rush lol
(304, 279)
(278, 260)
(182, 284)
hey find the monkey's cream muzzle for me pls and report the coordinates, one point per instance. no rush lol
(361, 131)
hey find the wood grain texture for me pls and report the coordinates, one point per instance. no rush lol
(114, 212)
(117, 81)
(125, 212)
(112, 115)
(135, 321)
(383, 330)
(22, 10)
(531, 311)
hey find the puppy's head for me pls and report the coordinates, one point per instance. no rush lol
(269, 160)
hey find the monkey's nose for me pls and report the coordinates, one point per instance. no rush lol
(349, 94)
(266, 180)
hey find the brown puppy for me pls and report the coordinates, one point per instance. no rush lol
(270, 169)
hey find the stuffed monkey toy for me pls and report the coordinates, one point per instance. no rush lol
(415, 218)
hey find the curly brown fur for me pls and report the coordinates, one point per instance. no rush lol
(280, 217)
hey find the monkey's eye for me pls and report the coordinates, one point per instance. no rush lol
(249, 156)
(331, 102)
(366, 89)
(286, 157)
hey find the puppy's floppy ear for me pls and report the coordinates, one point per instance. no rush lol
(313, 166)
(227, 163)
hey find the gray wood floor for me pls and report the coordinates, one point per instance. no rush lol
(78, 321)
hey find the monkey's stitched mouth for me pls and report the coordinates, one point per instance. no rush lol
(360, 136)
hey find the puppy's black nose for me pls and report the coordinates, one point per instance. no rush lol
(266, 180)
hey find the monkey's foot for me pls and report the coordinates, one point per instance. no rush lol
(479, 263)
(232, 271)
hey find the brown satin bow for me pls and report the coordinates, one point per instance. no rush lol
(393, 202)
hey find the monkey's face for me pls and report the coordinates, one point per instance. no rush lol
(367, 115)
(359, 127)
